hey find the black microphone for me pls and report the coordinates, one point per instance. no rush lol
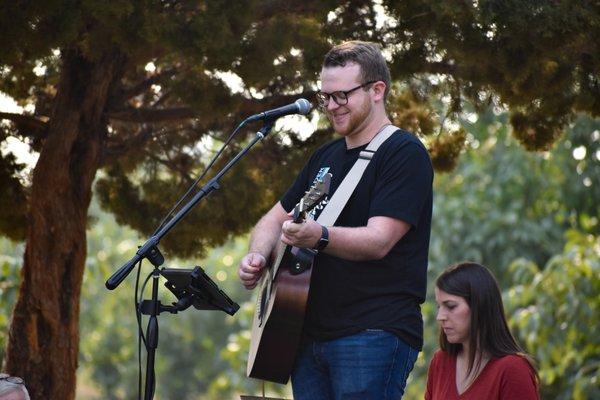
(300, 106)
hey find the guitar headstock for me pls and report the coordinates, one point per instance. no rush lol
(312, 197)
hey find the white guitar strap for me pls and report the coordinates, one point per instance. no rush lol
(338, 201)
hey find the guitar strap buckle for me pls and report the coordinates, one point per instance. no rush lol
(366, 155)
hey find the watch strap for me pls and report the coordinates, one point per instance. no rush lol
(324, 240)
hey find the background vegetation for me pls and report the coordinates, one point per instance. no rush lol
(124, 103)
(531, 217)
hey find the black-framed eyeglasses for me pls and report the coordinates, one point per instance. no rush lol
(13, 379)
(340, 97)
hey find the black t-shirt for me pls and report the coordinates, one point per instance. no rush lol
(347, 297)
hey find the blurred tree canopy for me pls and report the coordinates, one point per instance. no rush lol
(533, 219)
(189, 359)
(554, 308)
(141, 90)
(537, 57)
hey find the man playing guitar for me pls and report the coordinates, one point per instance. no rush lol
(363, 326)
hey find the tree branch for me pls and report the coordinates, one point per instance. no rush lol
(173, 166)
(113, 152)
(443, 68)
(150, 115)
(27, 125)
(246, 107)
(145, 85)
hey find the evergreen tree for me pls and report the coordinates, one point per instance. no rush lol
(134, 89)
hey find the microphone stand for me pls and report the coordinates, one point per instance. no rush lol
(150, 251)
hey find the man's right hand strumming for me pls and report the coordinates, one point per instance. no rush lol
(251, 269)
(264, 239)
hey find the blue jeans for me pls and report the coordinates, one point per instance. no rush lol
(371, 365)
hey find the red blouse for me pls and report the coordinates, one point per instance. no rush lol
(506, 378)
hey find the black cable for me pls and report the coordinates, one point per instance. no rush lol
(140, 333)
(138, 314)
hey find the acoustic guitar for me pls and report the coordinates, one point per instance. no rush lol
(281, 303)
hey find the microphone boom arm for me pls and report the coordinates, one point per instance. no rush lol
(149, 249)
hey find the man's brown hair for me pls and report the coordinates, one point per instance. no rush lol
(367, 55)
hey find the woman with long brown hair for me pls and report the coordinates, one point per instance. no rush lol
(478, 357)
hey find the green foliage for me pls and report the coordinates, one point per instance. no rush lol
(168, 100)
(536, 58)
(509, 210)
(539, 58)
(168, 107)
(553, 310)
(139, 200)
(503, 203)
(10, 278)
(13, 204)
(197, 356)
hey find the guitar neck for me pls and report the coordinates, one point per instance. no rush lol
(298, 218)
(299, 213)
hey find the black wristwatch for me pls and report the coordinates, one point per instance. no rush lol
(324, 241)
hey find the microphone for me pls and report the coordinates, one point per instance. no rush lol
(300, 106)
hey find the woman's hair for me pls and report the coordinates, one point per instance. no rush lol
(10, 384)
(489, 333)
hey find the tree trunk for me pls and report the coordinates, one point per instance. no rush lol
(44, 333)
